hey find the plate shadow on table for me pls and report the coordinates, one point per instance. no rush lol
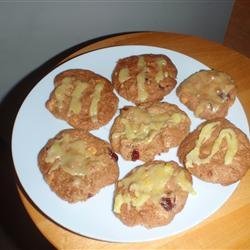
(17, 231)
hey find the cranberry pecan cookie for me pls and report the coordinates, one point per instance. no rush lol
(152, 194)
(141, 132)
(208, 93)
(76, 164)
(144, 78)
(82, 98)
(217, 151)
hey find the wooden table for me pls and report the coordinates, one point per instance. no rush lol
(229, 227)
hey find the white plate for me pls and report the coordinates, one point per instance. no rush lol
(34, 125)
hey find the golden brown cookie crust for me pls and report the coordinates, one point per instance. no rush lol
(82, 98)
(227, 163)
(152, 208)
(144, 78)
(76, 164)
(145, 131)
(208, 93)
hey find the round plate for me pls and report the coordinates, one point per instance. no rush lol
(94, 218)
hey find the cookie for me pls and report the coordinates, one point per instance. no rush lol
(144, 78)
(82, 98)
(217, 151)
(141, 132)
(152, 194)
(208, 93)
(76, 164)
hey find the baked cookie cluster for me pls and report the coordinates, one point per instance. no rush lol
(76, 164)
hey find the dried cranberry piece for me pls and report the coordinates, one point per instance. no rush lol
(113, 155)
(125, 108)
(166, 203)
(223, 95)
(89, 195)
(135, 155)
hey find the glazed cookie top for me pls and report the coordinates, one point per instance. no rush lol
(144, 78)
(140, 132)
(209, 93)
(216, 151)
(149, 181)
(80, 97)
(74, 156)
(74, 151)
(227, 134)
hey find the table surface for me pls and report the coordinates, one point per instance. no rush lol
(228, 228)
